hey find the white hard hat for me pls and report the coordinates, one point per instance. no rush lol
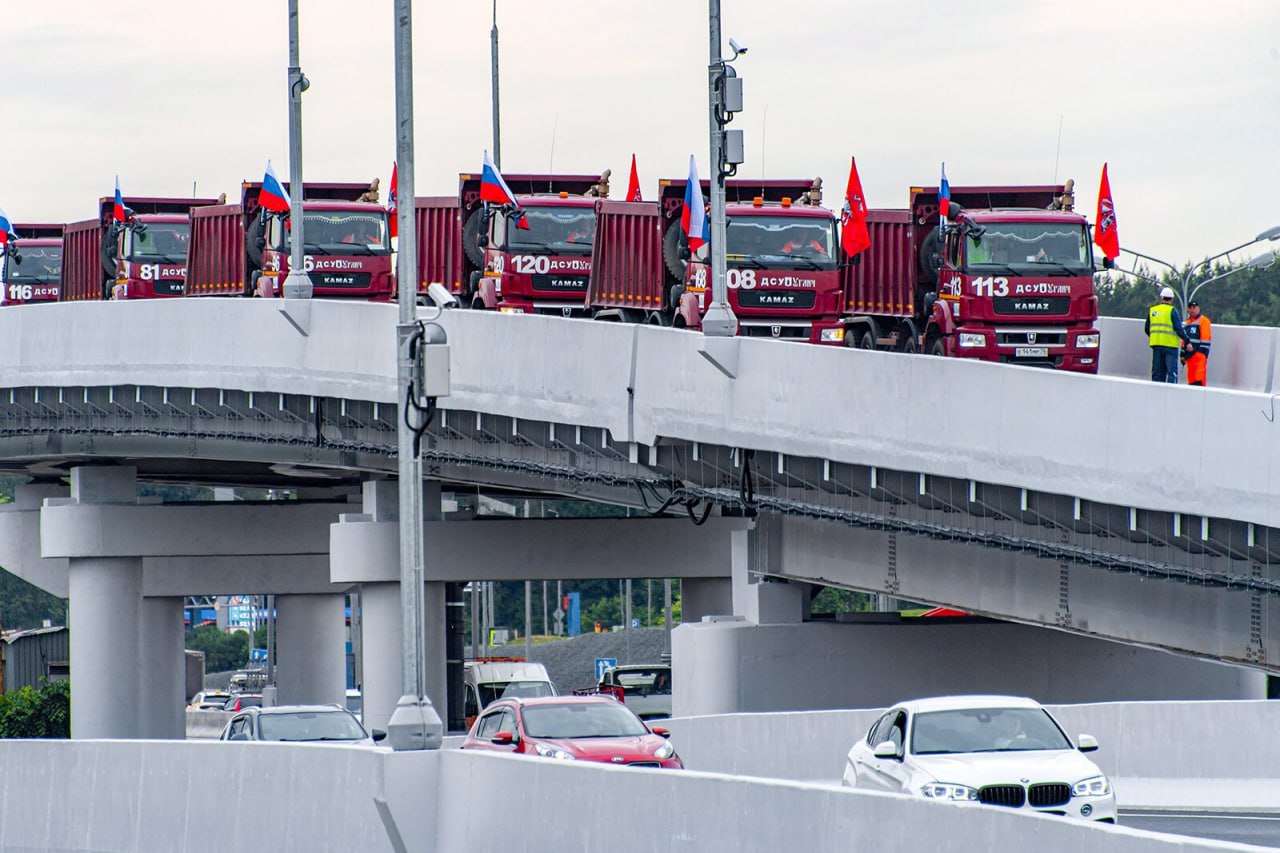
(1166, 293)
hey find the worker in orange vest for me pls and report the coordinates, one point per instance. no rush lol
(1199, 339)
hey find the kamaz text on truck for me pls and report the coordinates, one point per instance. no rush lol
(144, 257)
(243, 249)
(782, 261)
(1010, 280)
(31, 266)
(534, 260)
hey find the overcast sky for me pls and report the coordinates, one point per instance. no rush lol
(1181, 98)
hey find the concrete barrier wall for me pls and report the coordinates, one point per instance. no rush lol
(1158, 754)
(1244, 358)
(151, 795)
(206, 724)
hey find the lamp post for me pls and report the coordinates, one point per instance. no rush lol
(497, 134)
(297, 285)
(1188, 293)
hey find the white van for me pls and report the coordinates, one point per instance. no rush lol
(489, 679)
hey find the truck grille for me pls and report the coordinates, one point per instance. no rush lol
(171, 286)
(776, 298)
(1023, 338)
(344, 280)
(1013, 796)
(1048, 794)
(784, 332)
(1032, 304)
(560, 283)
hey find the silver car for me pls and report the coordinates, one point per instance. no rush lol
(299, 724)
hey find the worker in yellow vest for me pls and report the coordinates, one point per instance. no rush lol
(1165, 336)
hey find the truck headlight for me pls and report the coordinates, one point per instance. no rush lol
(551, 752)
(832, 336)
(507, 309)
(665, 751)
(1094, 786)
(1088, 341)
(949, 791)
(972, 339)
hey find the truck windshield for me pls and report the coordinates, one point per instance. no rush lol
(782, 241)
(343, 232)
(165, 242)
(554, 231)
(39, 264)
(1030, 248)
(494, 691)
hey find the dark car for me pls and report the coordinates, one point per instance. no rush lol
(583, 728)
(299, 724)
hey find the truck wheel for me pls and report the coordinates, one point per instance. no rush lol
(659, 318)
(255, 238)
(106, 288)
(107, 255)
(861, 338)
(674, 295)
(938, 347)
(471, 232)
(907, 343)
(931, 256)
(252, 287)
(672, 242)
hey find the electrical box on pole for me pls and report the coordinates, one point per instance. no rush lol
(733, 147)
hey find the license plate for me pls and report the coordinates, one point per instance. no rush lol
(1031, 352)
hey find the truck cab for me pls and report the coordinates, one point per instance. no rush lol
(31, 266)
(486, 680)
(538, 258)
(782, 262)
(151, 252)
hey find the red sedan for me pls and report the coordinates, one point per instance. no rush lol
(583, 728)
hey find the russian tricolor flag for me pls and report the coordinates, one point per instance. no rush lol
(693, 216)
(492, 187)
(6, 228)
(117, 209)
(273, 197)
(393, 208)
(944, 198)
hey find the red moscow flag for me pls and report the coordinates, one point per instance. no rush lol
(1105, 233)
(633, 185)
(854, 237)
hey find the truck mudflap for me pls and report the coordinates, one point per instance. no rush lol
(1060, 348)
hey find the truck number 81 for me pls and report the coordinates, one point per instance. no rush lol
(991, 286)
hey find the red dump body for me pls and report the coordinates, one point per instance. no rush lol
(1013, 280)
(241, 250)
(34, 271)
(145, 259)
(627, 274)
(438, 226)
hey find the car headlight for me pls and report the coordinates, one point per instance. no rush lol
(552, 752)
(973, 339)
(831, 336)
(665, 751)
(1088, 341)
(1094, 786)
(948, 791)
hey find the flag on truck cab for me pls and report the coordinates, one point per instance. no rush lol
(693, 216)
(1105, 232)
(392, 209)
(492, 187)
(944, 199)
(633, 185)
(117, 207)
(854, 237)
(272, 197)
(6, 228)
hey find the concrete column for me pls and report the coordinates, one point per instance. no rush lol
(705, 597)
(381, 650)
(761, 599)
(163, 669)
(310, 649)
(435, 635)
(105, 608)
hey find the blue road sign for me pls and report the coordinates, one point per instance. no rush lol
(603, 664)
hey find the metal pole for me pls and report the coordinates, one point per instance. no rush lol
(719, 320)
(666, 610)
(528, 620)
(545, 629)
(560, 605)
(296, 285)
(475, 619)
(497, 133)
(415, 724)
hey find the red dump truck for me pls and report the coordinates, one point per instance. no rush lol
(31, 268)
(782, 253)
(243, 249)
(488, 261)
(1010, 280)
(143, 258)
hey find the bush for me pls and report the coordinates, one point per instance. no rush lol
(43, 712)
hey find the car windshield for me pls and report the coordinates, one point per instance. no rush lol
(310, 725)
(556, 230)
(782, 241)
(985, 730)
(645, 682)
(495, 690)
(163, 242)
(582, 720)
(1030, 248)
(343, 232)
(39, 264)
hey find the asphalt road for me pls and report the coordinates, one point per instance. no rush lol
(1262, 830)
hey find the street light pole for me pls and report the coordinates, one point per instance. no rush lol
(296, 285)
(497, 134)
(719, 321)
(1271, 234)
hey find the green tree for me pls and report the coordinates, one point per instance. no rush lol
(37, 712)
(222, 651)
(23, 605)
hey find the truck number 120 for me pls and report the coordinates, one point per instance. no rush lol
(991, 286)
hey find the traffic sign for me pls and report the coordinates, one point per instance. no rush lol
(603, 664)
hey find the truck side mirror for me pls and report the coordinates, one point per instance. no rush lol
(483, 241)
(1108, 263)
(684, 253)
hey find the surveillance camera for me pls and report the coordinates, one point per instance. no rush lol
(737, 48)
(441, 296)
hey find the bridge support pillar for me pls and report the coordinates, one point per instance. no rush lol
(380, 650)
(757, 596)
(162, 675)
(310, 649)
(20, 538)
(705, 597)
